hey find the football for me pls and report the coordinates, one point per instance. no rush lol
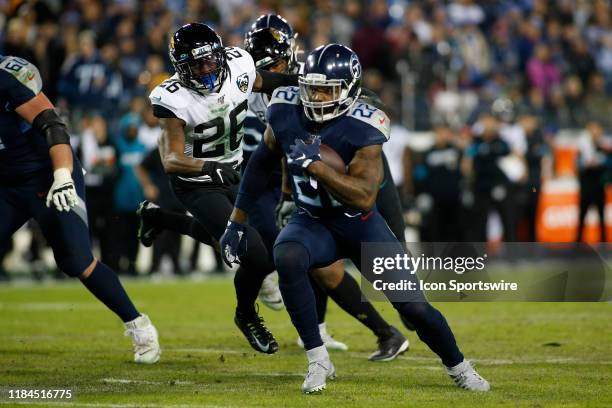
(332, 159)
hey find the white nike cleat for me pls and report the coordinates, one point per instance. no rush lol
(144, 340)
(318, 373)
(467, 378)
(270, 295)
(328, 340)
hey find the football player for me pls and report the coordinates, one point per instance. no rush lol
(40, 178)
(202, 108)
(336, 212)
(271, 43)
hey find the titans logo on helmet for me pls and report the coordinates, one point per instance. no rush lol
(355, 66)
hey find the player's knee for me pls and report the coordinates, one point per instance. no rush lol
(76, 266)
(330, 276)
(291, 258)
(418, 313)
(256, 256)
(85, 274)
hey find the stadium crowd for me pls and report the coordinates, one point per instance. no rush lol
(478, 93)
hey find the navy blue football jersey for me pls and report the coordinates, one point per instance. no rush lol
(363, 125)
(23, 150)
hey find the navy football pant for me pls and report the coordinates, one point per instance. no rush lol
(263, 218)
(65, 232)
(307, 243)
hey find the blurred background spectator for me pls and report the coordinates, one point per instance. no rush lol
(127, 195)
(99, 158)
(594, 174)
(542, 67)
(492, 181)
(442, 181)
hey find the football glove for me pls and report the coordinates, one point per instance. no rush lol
(62, 193)
(233, 243)
(284, 210)
(301, 155)
(221, 173)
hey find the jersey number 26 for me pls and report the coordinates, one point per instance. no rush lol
(235, 136)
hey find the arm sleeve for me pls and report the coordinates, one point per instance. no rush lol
(272, 80)
(256, 175)
(163, 112)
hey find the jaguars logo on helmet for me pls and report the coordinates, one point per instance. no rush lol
(270, 39)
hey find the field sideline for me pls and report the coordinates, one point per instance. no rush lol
(59, 336)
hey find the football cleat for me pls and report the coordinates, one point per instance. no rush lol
(318, 374)
(390, 347)
(328, 340)
(256, 333)
(145, 340)
(146, 231)
(467, 378)
(270, 295)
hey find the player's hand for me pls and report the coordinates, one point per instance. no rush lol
(221, 173)
(233, 243)
(284, 210)
(301, 155)
(62, 193)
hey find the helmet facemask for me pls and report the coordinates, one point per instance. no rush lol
(204, 70)
(325, 99)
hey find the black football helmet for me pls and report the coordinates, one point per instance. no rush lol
(335, 70)
(272, 38)
(198, 56)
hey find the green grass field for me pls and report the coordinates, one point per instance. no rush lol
(59, 336)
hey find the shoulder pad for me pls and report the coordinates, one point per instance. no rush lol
(286, 94)
(236, 54)
(171, 95)
(24, 71)
(372, 116)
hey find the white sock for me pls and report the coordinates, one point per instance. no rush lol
(317, 354)
(322, 328)
(133, 324)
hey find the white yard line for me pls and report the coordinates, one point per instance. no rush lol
(128, 381)
(359, 355)
(51, 306)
